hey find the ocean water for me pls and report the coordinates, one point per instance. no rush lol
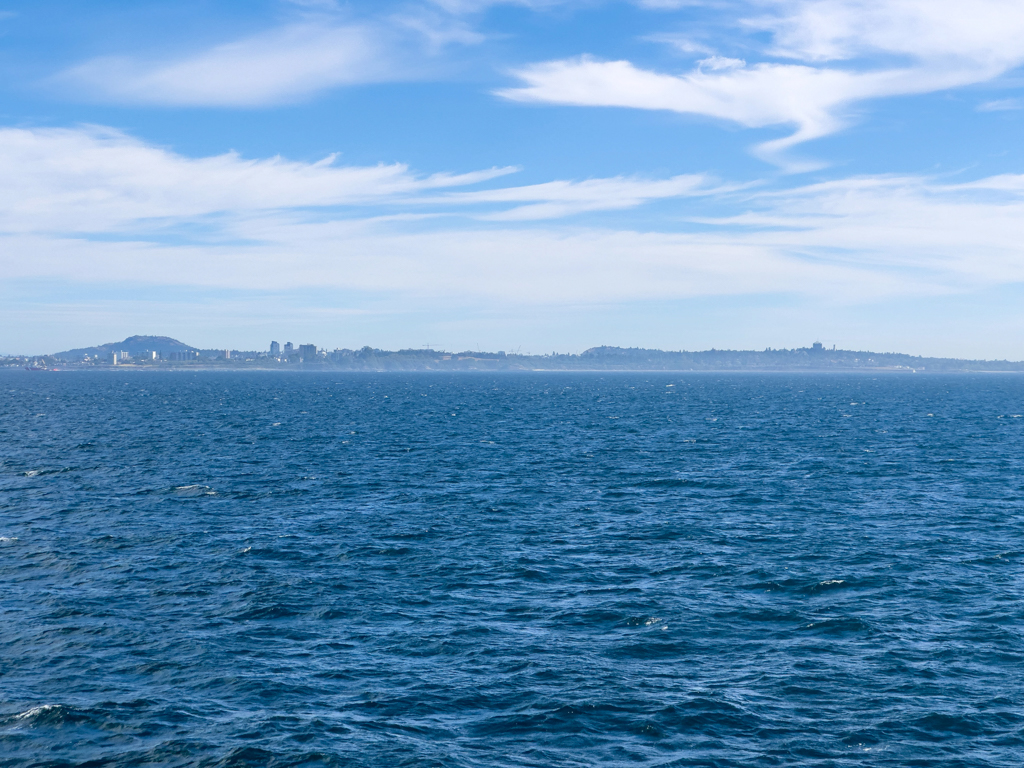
(249, 569)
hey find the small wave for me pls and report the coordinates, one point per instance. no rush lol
(48, 714)
(766, 586)
(669, 482)
(30, 713)
(1001, 557)
(824, 586)
(5, 539)
(266, 612)
(194, 490)
(44, 472)
(838, 626)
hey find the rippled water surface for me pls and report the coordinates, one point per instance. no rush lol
(228, 569)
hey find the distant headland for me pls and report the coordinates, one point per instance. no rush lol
(162, 352)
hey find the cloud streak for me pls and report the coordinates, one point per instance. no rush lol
(94, 205)
(558, 199)
(97, 179)
(937, 46)
(279, 66)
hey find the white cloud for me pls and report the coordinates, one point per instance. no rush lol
(720, 63)
(557, 199)
(95, 180)
(667, 5)
(91, 206)
(318, 5)
(1001, 105)
(437, 31)
(757, 96)
(982, 34)
(956, 235)
(681, 43)
(937, 45)
(476, 6)
(278, 66)
(531, 266)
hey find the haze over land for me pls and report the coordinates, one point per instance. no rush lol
(162, 352)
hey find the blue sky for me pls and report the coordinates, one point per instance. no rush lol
(537, 175)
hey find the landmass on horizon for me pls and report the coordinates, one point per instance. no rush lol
(163, 352)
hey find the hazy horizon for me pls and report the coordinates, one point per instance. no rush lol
(510, 351)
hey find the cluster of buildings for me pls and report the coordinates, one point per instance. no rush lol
(304, 353)
(125, 357)
(289, 353)
(180, 357)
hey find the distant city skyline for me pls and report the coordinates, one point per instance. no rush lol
(520, 174)
(162, 352)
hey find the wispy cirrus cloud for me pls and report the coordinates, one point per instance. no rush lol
(981, 33)
(282, 65)
(901, 237)
(758, 96)
(1001, 105)
(323, 48)
(955, 234)
(94, 205)
(834, 53)
(97, 179)
(558, 199)
(476, 6)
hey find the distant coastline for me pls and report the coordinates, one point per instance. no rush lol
(165, 353)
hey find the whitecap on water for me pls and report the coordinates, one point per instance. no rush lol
(7, 539)
(36, 711)
(194, 490)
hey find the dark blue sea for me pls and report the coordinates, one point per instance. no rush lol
(557, 569)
